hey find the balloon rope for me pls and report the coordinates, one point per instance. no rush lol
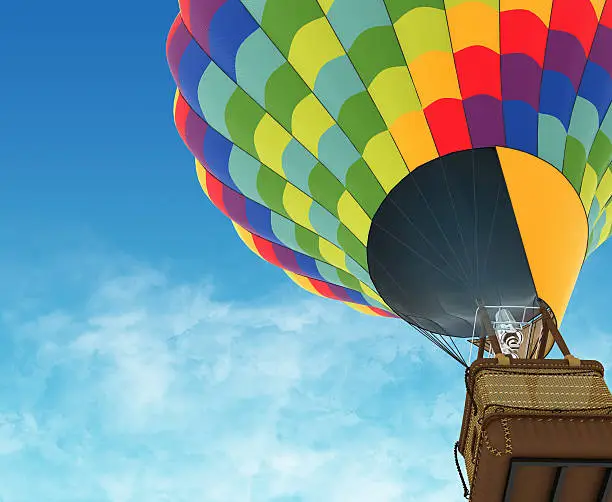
(466, 491)
(470, 392)
(441, 343)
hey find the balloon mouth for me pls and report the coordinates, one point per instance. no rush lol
(477, 227)
(445, 240)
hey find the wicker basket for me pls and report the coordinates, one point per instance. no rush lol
(537, 411)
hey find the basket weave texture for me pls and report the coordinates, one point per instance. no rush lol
(527, 388)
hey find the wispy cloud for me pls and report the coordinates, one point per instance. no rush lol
(151, 390)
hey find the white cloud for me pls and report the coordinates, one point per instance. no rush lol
(15, 431)
(446, 410)
(155, 391)
(151, 390)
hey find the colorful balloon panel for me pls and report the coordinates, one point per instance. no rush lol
(304, 116)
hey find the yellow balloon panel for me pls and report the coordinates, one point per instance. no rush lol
(552, 223)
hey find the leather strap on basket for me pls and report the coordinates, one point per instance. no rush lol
(492, 338)
(549, 326)
(481, 347)
(543, 340)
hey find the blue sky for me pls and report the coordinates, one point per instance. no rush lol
(147, 355)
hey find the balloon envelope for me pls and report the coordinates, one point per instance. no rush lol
(411, 159)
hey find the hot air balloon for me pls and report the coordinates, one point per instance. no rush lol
(411, 159)
(446, 162)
